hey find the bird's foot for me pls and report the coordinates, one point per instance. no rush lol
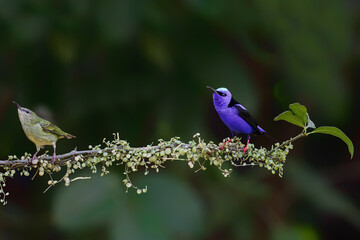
(53, 159)
(245, 148)
(223, 146)
(34, 157)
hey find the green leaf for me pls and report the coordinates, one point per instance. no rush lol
(300, 110)
(337, 133)
(291, 118)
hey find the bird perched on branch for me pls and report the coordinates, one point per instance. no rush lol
(40, 131)
(234, 115)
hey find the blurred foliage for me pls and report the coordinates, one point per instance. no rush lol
(320, 194)
(178, 213)
(140, 68)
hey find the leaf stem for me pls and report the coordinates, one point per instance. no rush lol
(301, 135)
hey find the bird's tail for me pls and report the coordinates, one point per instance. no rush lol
(69, 136)
(268, 136)
(261, 131)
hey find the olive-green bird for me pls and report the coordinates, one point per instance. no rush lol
(40, 131)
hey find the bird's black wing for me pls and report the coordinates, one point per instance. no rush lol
(244, 114)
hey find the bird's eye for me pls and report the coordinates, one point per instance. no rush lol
(222, 94)
(26, 111)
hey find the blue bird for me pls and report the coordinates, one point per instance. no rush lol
(234, 115)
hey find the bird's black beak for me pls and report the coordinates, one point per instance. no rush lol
(18, 106)
(213, 90)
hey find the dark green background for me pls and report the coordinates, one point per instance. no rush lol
(141, 68)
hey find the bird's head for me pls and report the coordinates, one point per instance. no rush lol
(221, 96)
(26, 115)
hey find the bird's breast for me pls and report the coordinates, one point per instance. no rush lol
(36, 134)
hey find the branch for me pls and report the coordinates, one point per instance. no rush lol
(197, 153)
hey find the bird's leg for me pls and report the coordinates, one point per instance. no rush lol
(37, 150)
(54, 155)
(247, 143)
(223, 146)
(34, 156)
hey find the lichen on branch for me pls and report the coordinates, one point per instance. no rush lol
(197, 153)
